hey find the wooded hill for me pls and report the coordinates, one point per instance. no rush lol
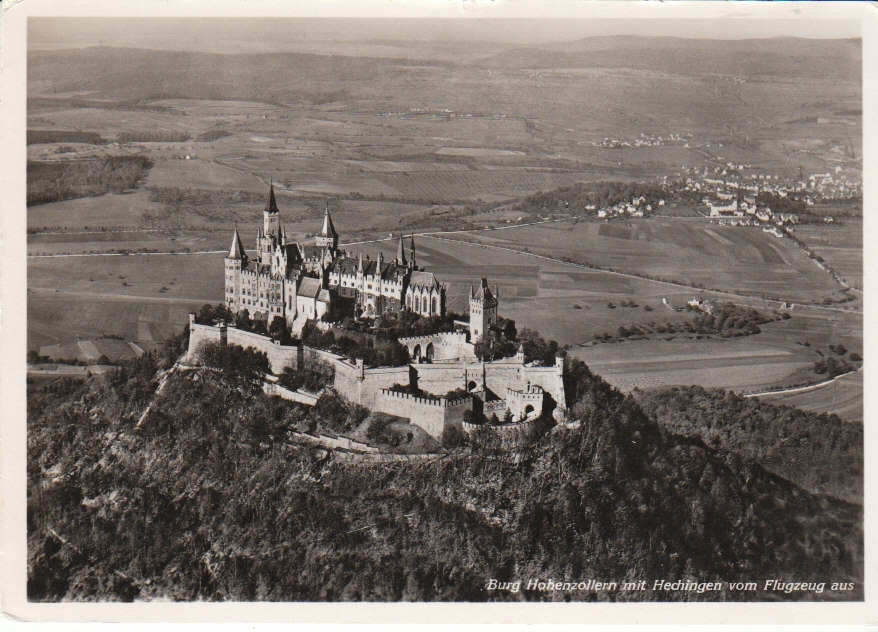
(207, 499)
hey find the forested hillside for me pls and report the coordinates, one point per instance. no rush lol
(206, 499)
(819, 452)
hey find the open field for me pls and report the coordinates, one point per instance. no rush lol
(844, 397)
(99, 296)
(447, 151)
(742, 364)
(840, 245)
(697, 252)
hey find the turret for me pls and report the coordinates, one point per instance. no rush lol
(327, 238)
(400, 253)
(235, 261)
(482, 311)
(412, 261)
(236, 251)
(271, 216)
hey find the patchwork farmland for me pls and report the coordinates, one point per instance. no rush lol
(455, 151)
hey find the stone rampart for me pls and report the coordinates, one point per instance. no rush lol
(301, 397)
(374, 380)
(199, 334)
(369, 386)
(279, 356)
(508, 433)
(433, 415)
(443, 346)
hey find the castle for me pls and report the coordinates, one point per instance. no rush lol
(300, 282)
(445, 381)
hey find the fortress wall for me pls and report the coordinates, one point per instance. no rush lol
(499, 377)
(318, 355)
(430, 414)
(454, 413)
(279, 356)
(376, 379)
(446, 346)
(345, 382)
(293, 396)
(509, 433)
(550, 378)
(199, 334)
(438, 379)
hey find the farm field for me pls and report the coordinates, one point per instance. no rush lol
(844, 397)
(698, 252)
(99, 296)
(447, 152)
(744, 364)
(840, 245)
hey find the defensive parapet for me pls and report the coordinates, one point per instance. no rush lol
(441, 402)
(509, 434)
(442, 346)
(434, 415)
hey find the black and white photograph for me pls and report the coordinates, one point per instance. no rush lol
(427, 307)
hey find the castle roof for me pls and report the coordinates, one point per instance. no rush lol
(237, 249)
(483, 292)
(328, 230)
(309, 287)
(343, 265)
(387, 270)
(271, 205)
(423, 279)
(311, 252)
(291, 251)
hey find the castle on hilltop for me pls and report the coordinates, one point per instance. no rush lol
(300, 282)
(443, 385)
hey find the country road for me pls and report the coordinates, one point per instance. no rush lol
(804, 389)
(120, 298)
(629, 275)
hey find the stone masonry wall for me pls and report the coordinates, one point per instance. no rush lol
(430, 414)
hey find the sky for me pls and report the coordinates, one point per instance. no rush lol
(291, 34)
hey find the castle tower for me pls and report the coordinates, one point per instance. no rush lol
(271, 215)
(412, 262)
(482, 311)
(400, 254)
(269, 235)
(327, 238)
(235, 261)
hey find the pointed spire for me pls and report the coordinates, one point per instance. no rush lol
(360, 266)
(413, 261)
(327, 238)
(328, 230)
(271, 206)
(400, 253)
(236, 251)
